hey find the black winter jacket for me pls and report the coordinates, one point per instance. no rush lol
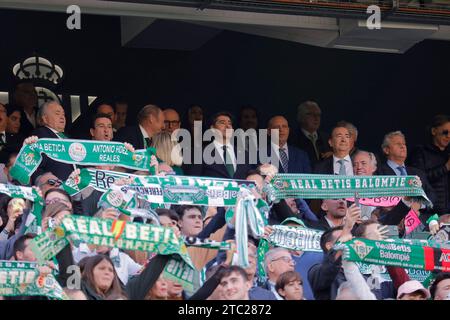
(431, 160)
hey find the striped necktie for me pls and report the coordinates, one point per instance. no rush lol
(284, 160)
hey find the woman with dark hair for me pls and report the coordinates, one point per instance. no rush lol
(99, 279)
(434, 159)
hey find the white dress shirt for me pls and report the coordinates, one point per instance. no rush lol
(347, 163)
(144, 133)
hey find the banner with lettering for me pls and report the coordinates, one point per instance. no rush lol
(83, 152)
(18, 278)
(400, 253)
(111, 233)
(314, 186)
(178, 190)
(296, 238)
(203, 191)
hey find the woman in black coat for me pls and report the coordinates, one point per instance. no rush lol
(434, 159)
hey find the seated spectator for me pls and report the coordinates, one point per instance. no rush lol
(276, 262)
(412, 290)
(159, 290)
(234, 283)
(168, 151)
(289, 286)
(440, 288)
(172, 121)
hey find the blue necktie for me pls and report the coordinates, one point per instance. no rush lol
(402, 170)
(342, 171)
(284, 160)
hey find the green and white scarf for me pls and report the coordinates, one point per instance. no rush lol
(110, 233)
(414, 274)
(23, 279)
(201, 191)
(34, 221)
(206, 243)
(247, 217)
(296, 238)
(83, 152)
(400, 253)
(178, 270)
(314, 186)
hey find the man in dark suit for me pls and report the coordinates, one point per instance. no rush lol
(287, 158)
(340, 163)
(9, 143)
(150, 122)
(309, 138)
(54, 123)
(396, 152)
(26, 99)
(220, 158)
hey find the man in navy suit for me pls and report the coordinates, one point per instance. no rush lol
(395, 150)
(287, 158)
(54, 123)
(150, 122)
(340, 163)
(224, 159)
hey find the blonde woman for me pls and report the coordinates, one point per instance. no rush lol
(168, 152)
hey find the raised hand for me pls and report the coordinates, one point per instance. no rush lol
(109, 213)
(129, 147)
(30, 140)
(267, 231)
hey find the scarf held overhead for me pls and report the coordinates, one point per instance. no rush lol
(83, 152)
(313, 186)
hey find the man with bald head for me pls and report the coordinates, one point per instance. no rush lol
(150, 122)
(311, 138)
(171, 120)
(287, 158)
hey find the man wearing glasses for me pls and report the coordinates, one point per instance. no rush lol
(277, 261)
(172, 120)
(47, 181)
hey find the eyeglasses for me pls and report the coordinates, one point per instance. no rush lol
(285, 259)
(55, 200)
(171, 123)
(53, 182)
(445, 133)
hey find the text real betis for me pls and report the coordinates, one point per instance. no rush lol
(143, 232)
(354, 183)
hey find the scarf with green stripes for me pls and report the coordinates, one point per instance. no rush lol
(35, 217)
(405, 253)
(83, 152)
(314, 186)
(23, 279)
